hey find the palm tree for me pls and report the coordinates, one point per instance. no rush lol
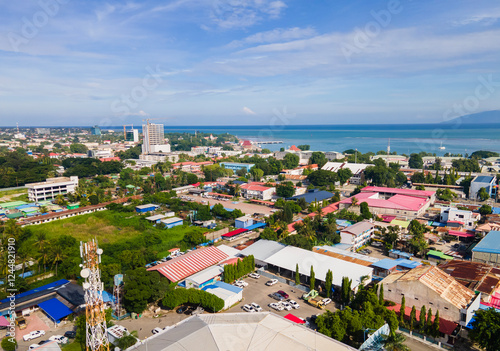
(237, 190)
(354, 201)
(58, 255)
(395, 342)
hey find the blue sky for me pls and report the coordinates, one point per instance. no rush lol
(204, 62)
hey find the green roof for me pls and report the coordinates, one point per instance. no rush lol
(439, 254)
(12, 204)
(130, 186)
(402, 224)
(14, 215)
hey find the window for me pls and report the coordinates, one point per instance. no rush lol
(446, 308)
(416, 298)
(430, 303)
(389, 290)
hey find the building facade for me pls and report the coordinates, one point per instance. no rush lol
(154, 139)
(357, 234)
(51, 188)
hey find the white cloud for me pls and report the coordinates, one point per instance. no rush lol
(248, 111)
(275, 35)
(485, 19)
(228, 14)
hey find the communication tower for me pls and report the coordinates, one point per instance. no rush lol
(118, 280)
(97, 337)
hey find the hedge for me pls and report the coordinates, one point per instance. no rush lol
(181, 296)
(239, 269)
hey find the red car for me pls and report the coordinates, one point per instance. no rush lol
(282, 293)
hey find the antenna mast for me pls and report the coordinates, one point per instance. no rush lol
(97, 337)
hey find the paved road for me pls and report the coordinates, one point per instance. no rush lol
(415, 345)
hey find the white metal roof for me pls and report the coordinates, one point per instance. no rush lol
(155, 217)
(262, 249)
(171, 220)
(290, 256)
(206, 274)
(239, 332)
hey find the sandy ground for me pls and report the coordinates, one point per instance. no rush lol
(244, 207)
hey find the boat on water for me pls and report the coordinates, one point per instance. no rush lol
(442, 147)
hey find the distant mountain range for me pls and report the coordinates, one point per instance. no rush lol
(486, 117)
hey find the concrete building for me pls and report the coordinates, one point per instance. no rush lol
(357, 234)
(154, 139)
(146, 208)
(429, 286)
(230, 294)
(334, 155)
(172, 222)
(243, 222)
(206, 277)
(357, 170)
(454, 217)
(405, 203)
(100, 153)
(257, 191)
(263, 331)
(488, 250)
(132, 135)
(487, 182)
(42, 131)
(51, 188)
(235, 167)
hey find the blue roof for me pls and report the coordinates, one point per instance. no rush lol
(107, 297)
(314, 196)
(402, 262)
(495, 210)
(223, 285)
(37, 290)
(484, 179)
(55, 309)
(256, 225)
(227, 209)
(343, 222)
(386, 263)
(489, 244)
(400, 253)
(438, 224)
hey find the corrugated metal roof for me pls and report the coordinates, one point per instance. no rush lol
(190, 263)
(489, 244)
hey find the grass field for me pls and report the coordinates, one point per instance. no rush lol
(110, 227)
(14, 195)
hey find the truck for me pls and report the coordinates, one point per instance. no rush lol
(313, 299)
(21, 323)
(310, 295)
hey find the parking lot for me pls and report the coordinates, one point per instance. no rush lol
(257, 291)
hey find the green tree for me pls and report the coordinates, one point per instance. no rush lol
(395, 342)
(127, 341)
(413, 318)
(365, 211)
(257, 173)
(483, 194)
(402, 311)
(381, 294)
(78, 148)
(312, 279)
(9, 344)
(142, 287)
(319, 158)
(428, 327)
(304, 147)
(269, 234)
(415, 161)
(421, 322)
(346, 291)
(291, 161)
(485, 210)
(486, 329)
(297, 274)
(286, 190)
(435, 325)
(328, 283)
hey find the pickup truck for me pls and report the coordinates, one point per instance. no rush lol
(21, 323)
(317, 302)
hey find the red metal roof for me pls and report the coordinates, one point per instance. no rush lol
(295, 319)
(408, 192)
(445, 326)
(190, 263)
(234, 232)
(461, 234)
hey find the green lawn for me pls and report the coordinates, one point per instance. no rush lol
(71, 346)
(112, 227)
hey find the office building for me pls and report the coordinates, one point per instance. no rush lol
(154, 139)
(95, 130)
(51, 188)
(132, 135)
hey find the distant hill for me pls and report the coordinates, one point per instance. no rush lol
(486, 117)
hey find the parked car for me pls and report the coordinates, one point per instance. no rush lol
(256, 307)
(254, 275)
(276, 306)
(242, 283)
(286, 305)
(33, 335)
(181, 309)
(59, 338)
(284, 294)
(276, 296)
(198, 310)
(33, 346)
(248, 308)
(368, 251)
(271, 282)
(326, 301)
(156, 330)
(294, 304)
(70, 334)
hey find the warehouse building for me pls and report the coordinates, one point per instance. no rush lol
(488, 250)
(239, 331)
(230, 294)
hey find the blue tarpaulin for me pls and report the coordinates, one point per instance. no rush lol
(55, 309)
(256, 225)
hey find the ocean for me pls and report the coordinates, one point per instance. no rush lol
(403, 138)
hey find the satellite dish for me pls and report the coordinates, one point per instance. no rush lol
(85, 273)
(99, 251)
(86, 286)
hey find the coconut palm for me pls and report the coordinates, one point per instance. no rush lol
(58, 255)
(395, 342)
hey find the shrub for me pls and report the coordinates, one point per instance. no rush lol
(181, 296)
(9, 344)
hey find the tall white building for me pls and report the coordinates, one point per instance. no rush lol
(51, 188)
(154, 139)
(132, 135)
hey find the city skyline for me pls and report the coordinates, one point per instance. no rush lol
(244, 62)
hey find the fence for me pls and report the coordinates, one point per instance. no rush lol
(426, 339)
(283, 280)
